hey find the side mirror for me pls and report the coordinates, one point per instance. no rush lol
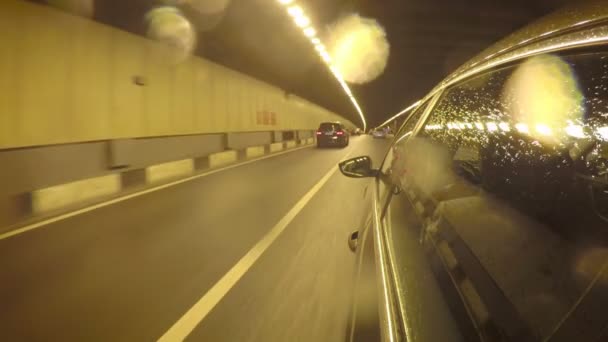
(359, 167)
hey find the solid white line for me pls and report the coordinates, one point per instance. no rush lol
(62, 217)
(186, 324)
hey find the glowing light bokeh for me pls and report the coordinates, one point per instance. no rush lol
(359, 48)
(543, 93)
(169, 27)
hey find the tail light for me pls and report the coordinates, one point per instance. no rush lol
(318, 132)
(340, 133)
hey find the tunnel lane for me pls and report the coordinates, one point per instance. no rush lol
(129, 271)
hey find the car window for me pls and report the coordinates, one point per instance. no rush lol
(330, 127)
(515, 163)
(404, 132)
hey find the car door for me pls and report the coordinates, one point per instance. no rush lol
(420, 313)
(498, 188)
(365, 319)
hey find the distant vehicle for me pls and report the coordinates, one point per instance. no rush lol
(379, 133)
(332, 134)
(357, 131)
(487, 218)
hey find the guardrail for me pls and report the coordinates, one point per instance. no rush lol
(47, 179)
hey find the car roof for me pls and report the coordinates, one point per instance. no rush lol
(576, 25)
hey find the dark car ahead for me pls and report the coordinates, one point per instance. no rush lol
(489, 213)
(332, 134)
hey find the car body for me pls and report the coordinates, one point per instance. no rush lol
(379, 133)
(489, 213)
(332, 134)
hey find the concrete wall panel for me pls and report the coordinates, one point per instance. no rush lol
(55, 197)
(182, 113)
(276, 147)
(41, 167)
(89, 88)
(237, 141)
(170, 170)
(127, 110)
(305, 134)
(150, 151)
(222, 158)
(27, 169)
(255, 151)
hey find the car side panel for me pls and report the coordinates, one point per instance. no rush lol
(431, 309)
(364, 324)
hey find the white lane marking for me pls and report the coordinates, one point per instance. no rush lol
(62, 217)
(186, 324)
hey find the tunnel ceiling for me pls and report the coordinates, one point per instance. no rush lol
(428, 39)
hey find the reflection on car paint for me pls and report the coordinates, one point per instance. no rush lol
(533, 160)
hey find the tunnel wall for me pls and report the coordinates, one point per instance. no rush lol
(88, 111)
(67, 79)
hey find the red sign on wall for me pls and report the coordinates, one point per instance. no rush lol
(265, 117)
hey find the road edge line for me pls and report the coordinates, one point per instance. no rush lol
(61, 217)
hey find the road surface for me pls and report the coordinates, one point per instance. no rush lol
(256, 252)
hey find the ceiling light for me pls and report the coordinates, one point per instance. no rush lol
(335, 71)
(302, 21)
(295, 11)
(575, 131)
(543, 129)
(522, 127)
(504, 126)
(326, 56)
(310, 32)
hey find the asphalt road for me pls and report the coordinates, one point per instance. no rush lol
(131, 270)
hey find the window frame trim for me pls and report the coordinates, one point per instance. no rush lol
(430, 103)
